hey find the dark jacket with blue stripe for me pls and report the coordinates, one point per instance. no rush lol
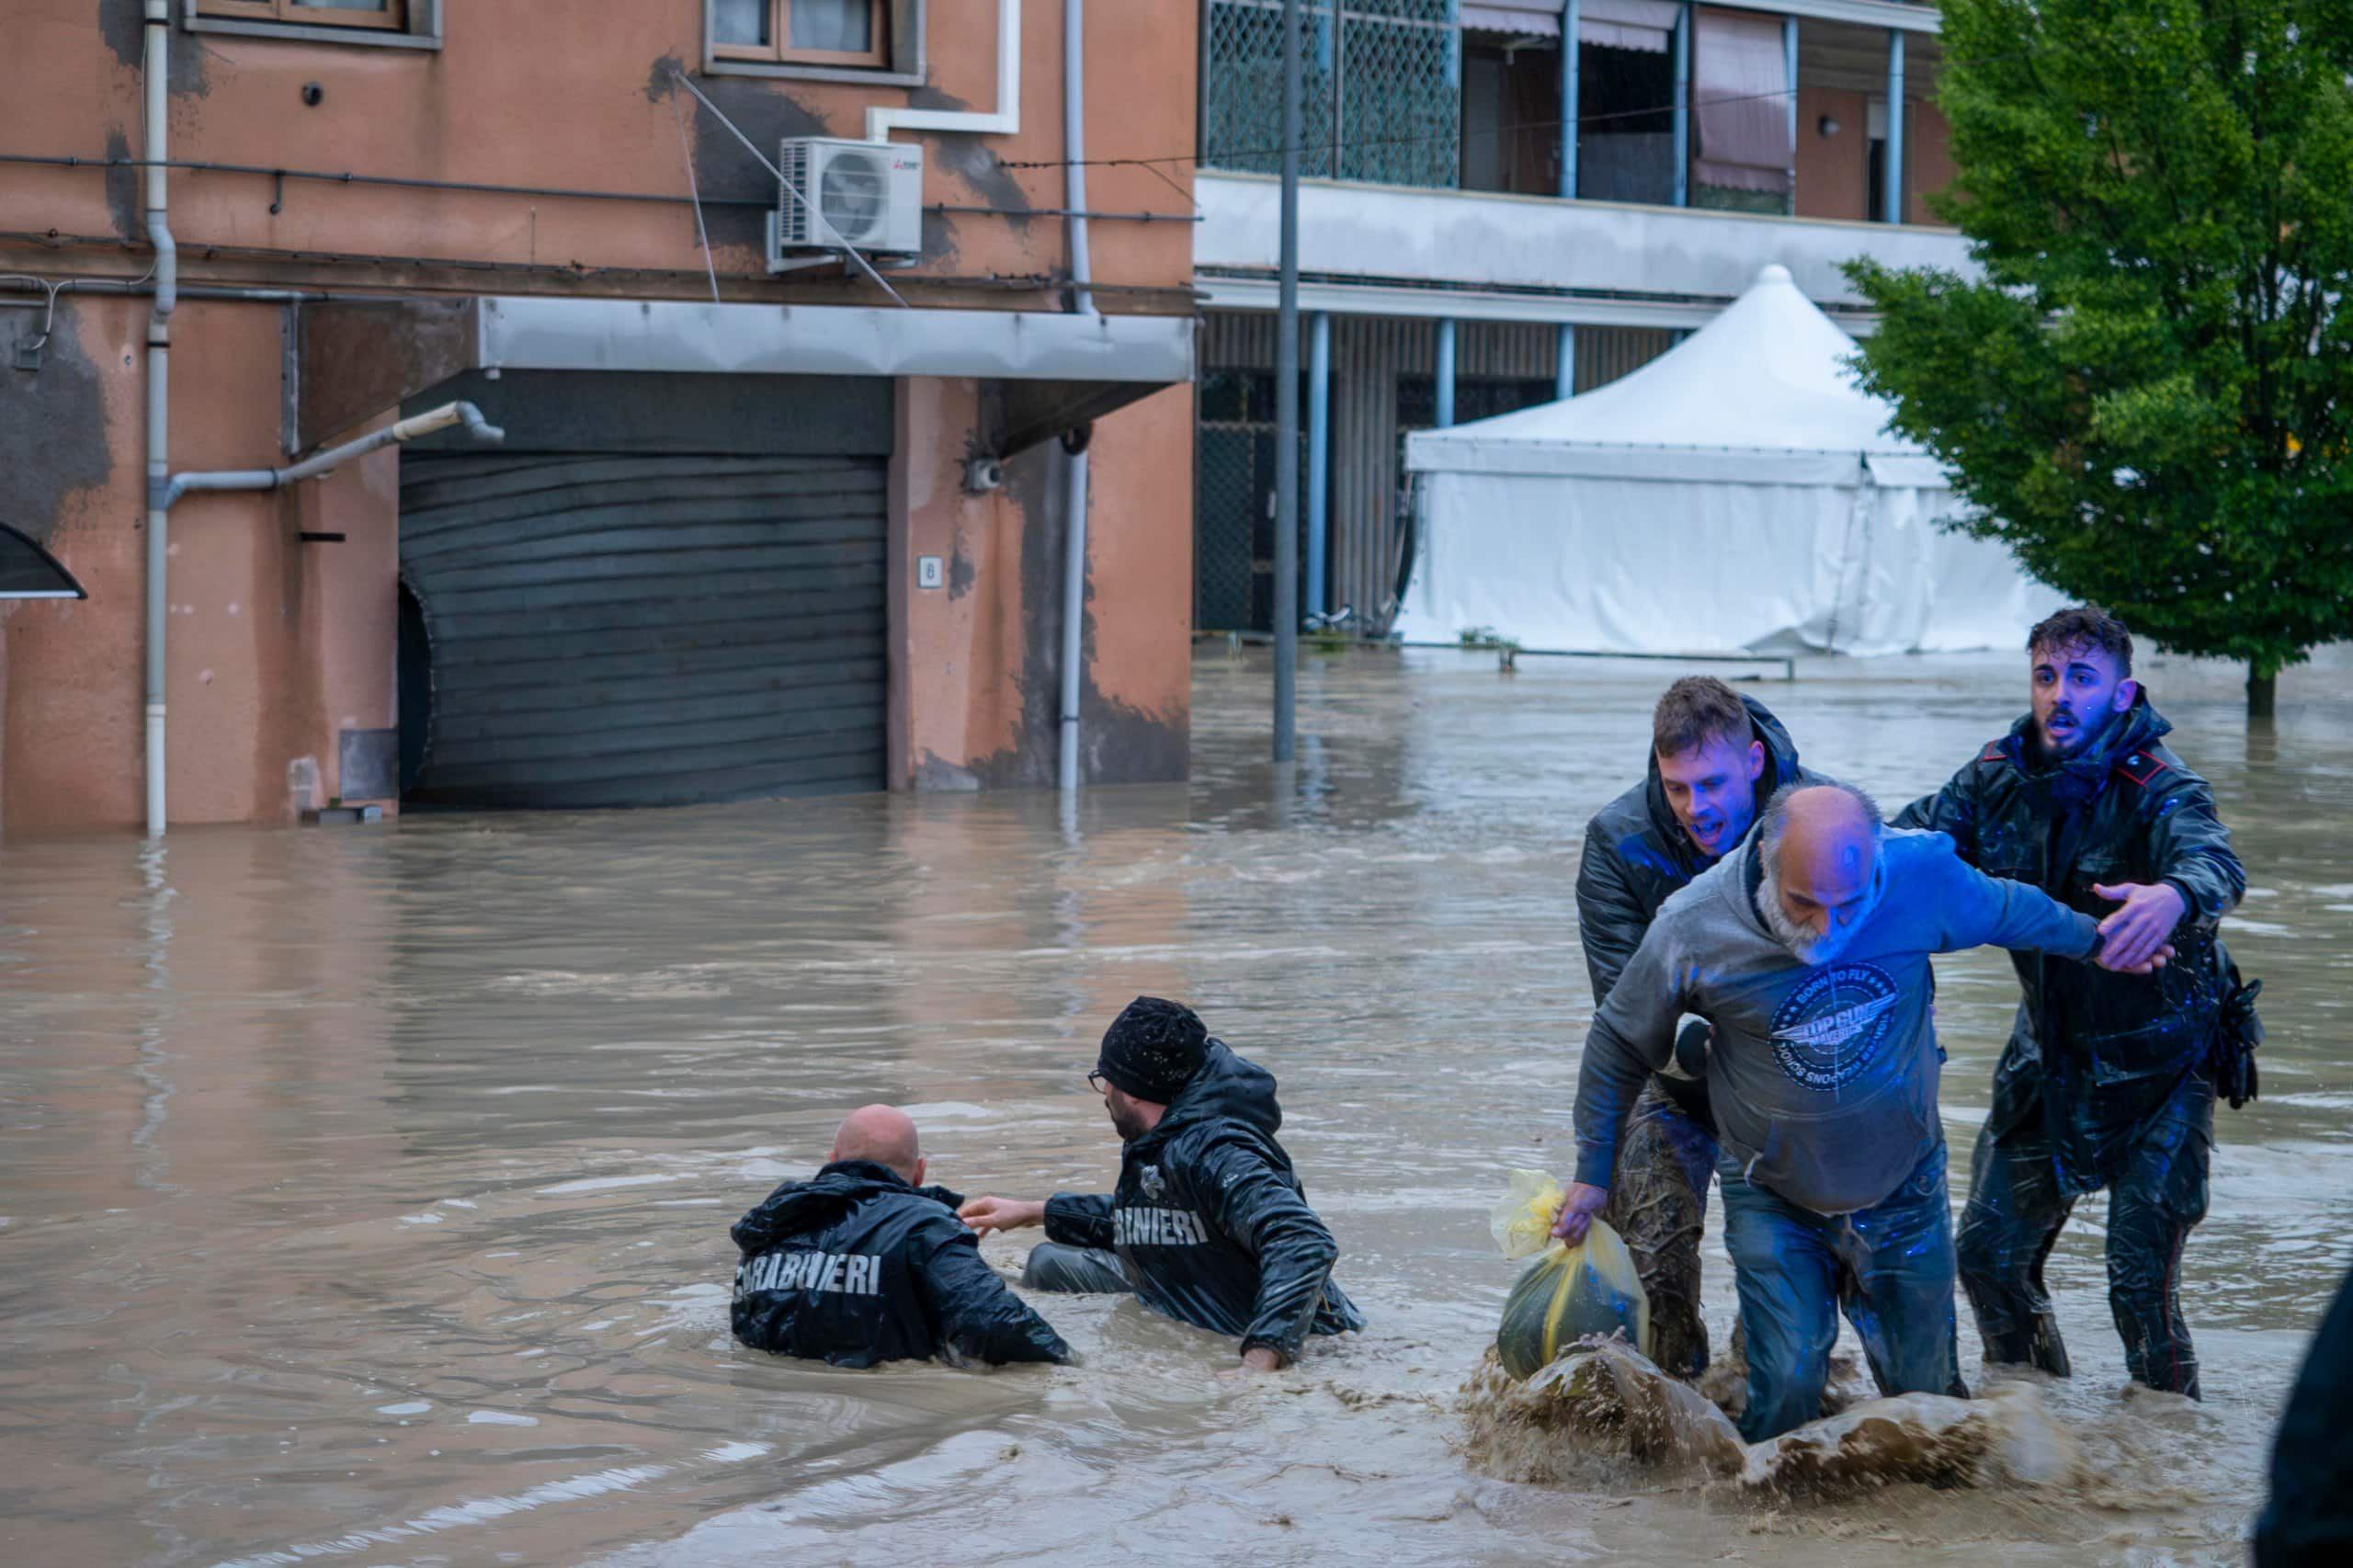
(857, 1267)
(1211, 1222)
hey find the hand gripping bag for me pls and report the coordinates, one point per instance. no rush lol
(1566, 1292)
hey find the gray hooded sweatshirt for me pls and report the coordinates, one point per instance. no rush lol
(1822, 1077)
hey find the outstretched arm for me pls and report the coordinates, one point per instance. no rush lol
(2198, 875)
(1975, 910)
(978, 1319)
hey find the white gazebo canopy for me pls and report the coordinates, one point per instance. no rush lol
(1739, 492)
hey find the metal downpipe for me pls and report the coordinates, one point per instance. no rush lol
(159, 394)
(1083, 301)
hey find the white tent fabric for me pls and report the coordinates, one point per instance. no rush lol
(1740, 492)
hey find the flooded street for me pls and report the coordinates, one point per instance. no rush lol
(366, 1190)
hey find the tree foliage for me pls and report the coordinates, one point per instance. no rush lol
(2148, 393)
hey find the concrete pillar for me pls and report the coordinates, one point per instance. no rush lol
(1683, 105)
(1570, 17)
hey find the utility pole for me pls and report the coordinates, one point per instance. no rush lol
(1286, 596)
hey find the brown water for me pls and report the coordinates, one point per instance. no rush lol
(366, 1190)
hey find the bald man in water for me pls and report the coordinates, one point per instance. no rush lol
(1808, 951)
(863, 1263)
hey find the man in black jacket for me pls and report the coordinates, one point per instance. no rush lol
(2107, 1081)
(865, 1264)
(1716, 757)
(1208, 1224)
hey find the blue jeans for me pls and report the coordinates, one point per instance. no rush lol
(1890, 1267)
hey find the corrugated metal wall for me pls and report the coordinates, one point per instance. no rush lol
(1370, 356)
(663, 589)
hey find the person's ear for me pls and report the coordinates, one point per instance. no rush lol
(2127, 692)
(1756, 759)
(917, 1180)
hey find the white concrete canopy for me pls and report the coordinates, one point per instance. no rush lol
(535, 334)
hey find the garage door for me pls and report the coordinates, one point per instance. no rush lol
(645, 629)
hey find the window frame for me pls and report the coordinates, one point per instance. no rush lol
(393, 17)
(781, 52)
(403, 24)
(899, 62)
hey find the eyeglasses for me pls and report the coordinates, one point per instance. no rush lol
(1096, 1081)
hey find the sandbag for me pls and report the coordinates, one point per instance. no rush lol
(1567, 1292)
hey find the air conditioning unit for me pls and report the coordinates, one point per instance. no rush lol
(866, 195)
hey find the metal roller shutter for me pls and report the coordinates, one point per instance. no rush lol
(609, 630)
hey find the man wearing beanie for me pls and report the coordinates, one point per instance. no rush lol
(1208, 1224)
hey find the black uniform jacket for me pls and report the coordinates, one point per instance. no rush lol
(2131, 813)
(1209, 1219)
(857, 1267)
(1636, 857)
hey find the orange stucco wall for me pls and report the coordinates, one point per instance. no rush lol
(1833, 171)
(976, 660)
(277, 646)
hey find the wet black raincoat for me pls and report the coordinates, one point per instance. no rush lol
(1636, 857)
(1210, 1220)
(2093, 1054)
(2309, 1521)
(857, 1267)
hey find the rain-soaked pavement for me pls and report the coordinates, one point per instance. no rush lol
(366, 1190)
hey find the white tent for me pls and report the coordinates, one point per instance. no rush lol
(1739, 492)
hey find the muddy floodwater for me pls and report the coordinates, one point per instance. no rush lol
(366, 1190)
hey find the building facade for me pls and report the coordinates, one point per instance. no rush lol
(1489, 221)
(768, 518)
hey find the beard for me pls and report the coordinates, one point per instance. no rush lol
(1811, 948)
(1127, 1121)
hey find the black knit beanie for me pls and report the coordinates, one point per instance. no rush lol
(1152, 1049)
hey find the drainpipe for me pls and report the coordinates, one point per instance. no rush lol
(326, 462)
(1082, 302)
(159, 389)
(1005, 121)
(1319, 462)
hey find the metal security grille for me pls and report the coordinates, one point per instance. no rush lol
(646, 630)
(1234, 502)
(1381, 89)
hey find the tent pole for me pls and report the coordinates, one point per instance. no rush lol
(1565, 377)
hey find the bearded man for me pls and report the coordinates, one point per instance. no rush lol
(1808, 951)
(2105, 1083)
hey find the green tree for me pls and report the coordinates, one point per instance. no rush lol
(2148, 388)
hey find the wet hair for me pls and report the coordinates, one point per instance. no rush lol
(1695, 710)
(1774, 820)
(2084, 626)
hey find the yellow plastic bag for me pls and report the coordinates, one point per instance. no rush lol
(1522, 1223)
(1566, 1292)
